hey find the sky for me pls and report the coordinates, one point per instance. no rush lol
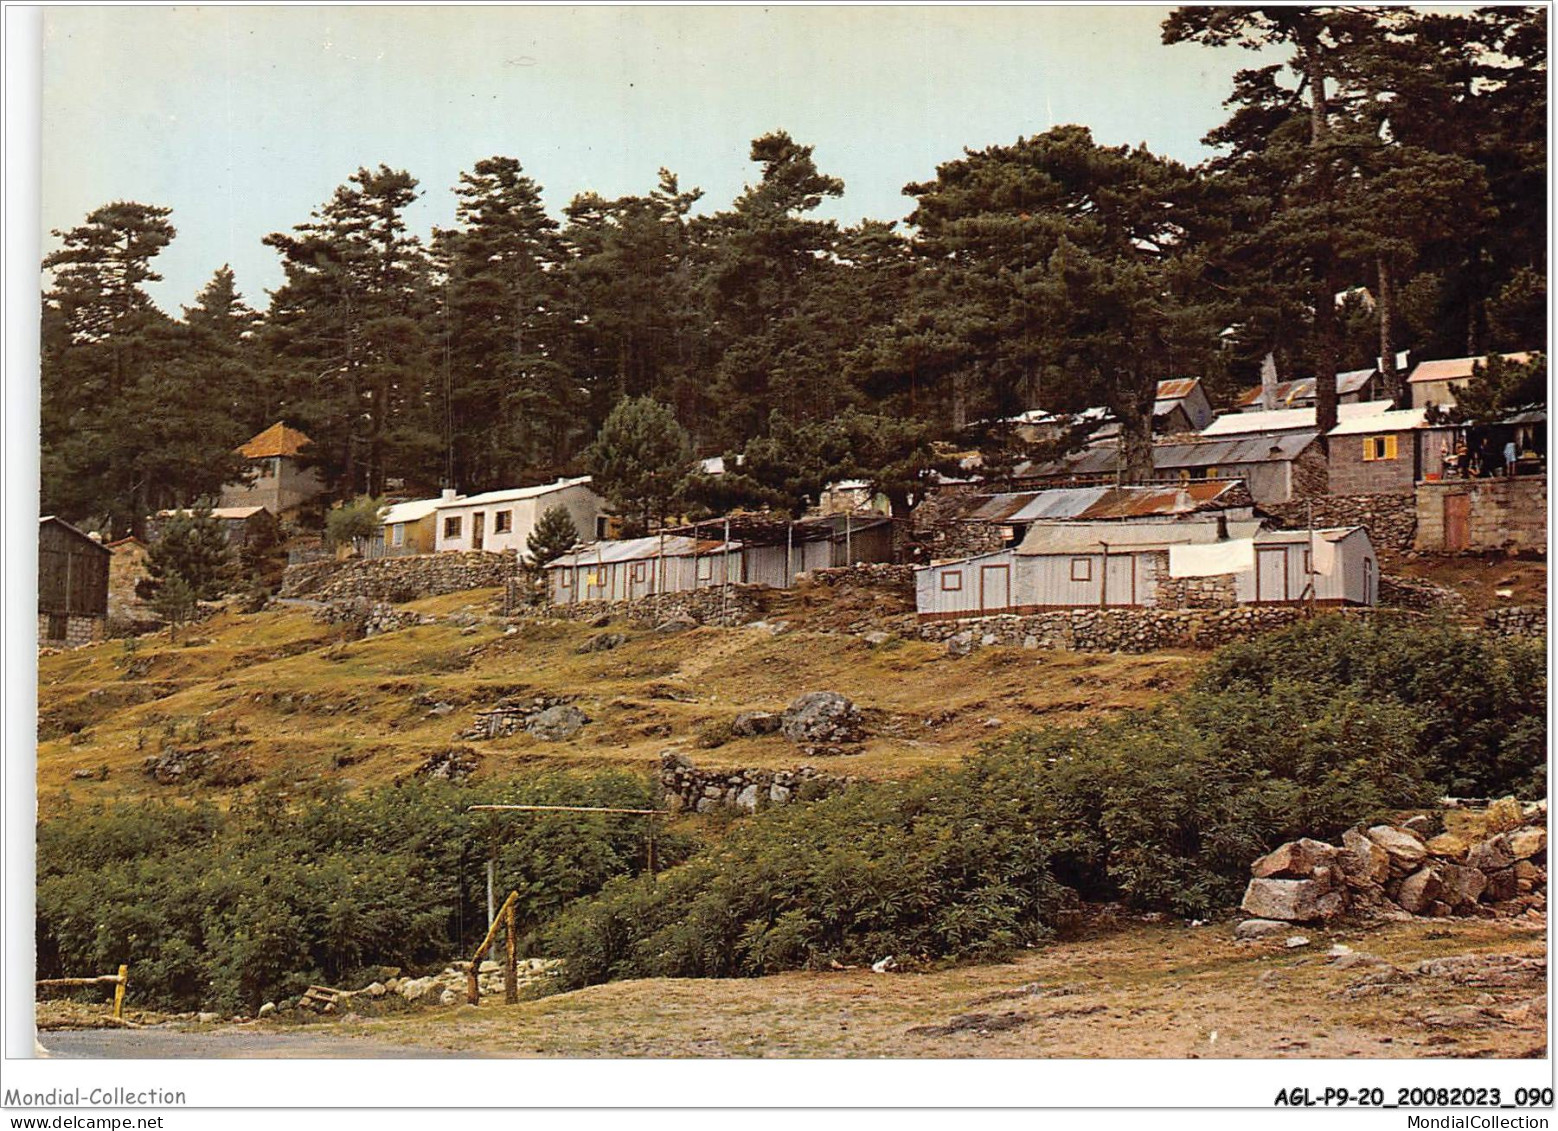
(244, 120)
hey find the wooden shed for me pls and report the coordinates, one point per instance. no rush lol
(72, 584)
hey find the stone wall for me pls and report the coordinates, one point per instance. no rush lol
(79, 630)
(1418, 595)
(1390, 517)
(1195, 592)
(399, 579)
(725, 607)
(1311, 474)
(369, 618)
(1517, 620)
(1504, 514)
(939, 529)
(689, 788)
(1119, 630)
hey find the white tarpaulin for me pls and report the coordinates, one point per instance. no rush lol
(1323, 558)
(1212, 559)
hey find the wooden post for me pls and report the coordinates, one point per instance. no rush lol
(124, 978)
(511, 959)
(472, 983)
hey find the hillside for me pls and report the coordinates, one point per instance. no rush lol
(277, 693)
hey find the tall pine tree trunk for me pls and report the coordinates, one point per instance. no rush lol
(1326, 348)
(1385, 307)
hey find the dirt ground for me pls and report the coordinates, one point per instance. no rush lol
(1428, 988)
(1479, 578)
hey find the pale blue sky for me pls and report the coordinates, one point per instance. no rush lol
(243, 120)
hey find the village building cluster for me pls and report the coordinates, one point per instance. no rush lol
(1227, 517)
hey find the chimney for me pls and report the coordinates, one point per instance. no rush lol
(449, 495)
(1268, 382)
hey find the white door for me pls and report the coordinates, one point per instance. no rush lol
(1271, 573)
(1120, 580)
(995, 587)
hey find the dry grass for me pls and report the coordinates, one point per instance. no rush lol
(1140, 990)
(300, 702)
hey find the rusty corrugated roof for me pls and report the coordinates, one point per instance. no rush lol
(277, 440)
(1455, 368)
(1177, 388)
(1140, 502)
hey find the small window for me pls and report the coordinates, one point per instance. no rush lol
(398, 534)
(1081, 569)
(565, 579)
(640, 570)
(1379, 447)
(1309, 562)
(705, 569)
(601, 527)
(951, 580)
(452, 526)
(502, 522)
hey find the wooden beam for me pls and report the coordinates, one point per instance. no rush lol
(472, 983)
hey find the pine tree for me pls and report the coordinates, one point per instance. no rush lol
(191, 548)
(554, 535)
(638, 461)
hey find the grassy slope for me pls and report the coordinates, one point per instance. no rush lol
(298, 701)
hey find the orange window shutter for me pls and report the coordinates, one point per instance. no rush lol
(1368, 448)
(1390, 447)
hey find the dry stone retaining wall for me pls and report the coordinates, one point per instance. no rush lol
(1517, 620)
(399, 579)
(1391, 517)
(1118, 630)
(726, 607)
(689, 788)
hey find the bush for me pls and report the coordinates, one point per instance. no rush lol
(1480, 701)
(228, 910)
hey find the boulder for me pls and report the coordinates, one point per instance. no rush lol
(206, 1017)
(1526, 843)
(1419, 890)
(1503, 815)
(1292, 901)
(1259, 928)
(448, 997)
(679, 623)
(960, 644)
(1460, 885)
(376, 989)
(1502, 884)
(747, 799)
(1490, 855)
(1405, 850)
(604, 642)
(1448, 846)
(821, 718)
(750, 724)
(1527, 871)
(557, 724)
(1296, 860)
(1362, 862)
(267, 1009)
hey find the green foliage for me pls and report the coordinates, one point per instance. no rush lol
(1500, 385)
(227, 910)
(191, 547)
(354, 520)
(175, 602)
(639, 459)
(554, 535)
(1479, 702)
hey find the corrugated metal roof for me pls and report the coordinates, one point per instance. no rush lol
(234, 513)
(1454, 368)
(1287, 419)
(1092, 537)
(277, 440)
(514, 495)
(1329, 533)
(1177, 388)
(1027, 506)
(1140, 502)
(636, 549)
(1303, 389)
(413, 510)
(1397, 420)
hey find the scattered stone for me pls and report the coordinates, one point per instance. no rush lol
(377, 989)
(679, 623)
(1363, 862)
(453, 764)
(1259, 928)
(1503, 815)
(207, 1018)
(1405, 850)
(1419, 890)
(884, 965)
(557, 724)
(1460, 885)
(961, 644)
(877, 639)
(604, 642)
(1525, 843)
(448, 997)
(1338, 950)
(1490, 855)
(1448, 846)
(1293, 942)
(980, 1023)
(1295, 860)
(267, 1009)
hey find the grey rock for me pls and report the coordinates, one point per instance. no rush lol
(557, 724)
(1419, 890)
(1525, 843)
(747, 799)
(822, 718)
(1259, 928)
(604, 642)
(448, 997)
(679, 623)
(1362, 862)
(1295, 860)
(749, 724)
(1293, 901)
(1405, 850)
(1460, 885)
(1490, 855)
(267, 1009)
(205, 1017)
(877, 639)
(960, 644)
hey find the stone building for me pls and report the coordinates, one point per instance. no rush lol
(274, 477)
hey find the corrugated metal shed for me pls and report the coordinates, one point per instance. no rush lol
(637, 549)
(1455, 368)
(1092, 537)
(1303, 389)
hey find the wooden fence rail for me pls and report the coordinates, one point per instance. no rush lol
(118, 981)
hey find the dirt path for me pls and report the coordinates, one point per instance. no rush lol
(226, 1044)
